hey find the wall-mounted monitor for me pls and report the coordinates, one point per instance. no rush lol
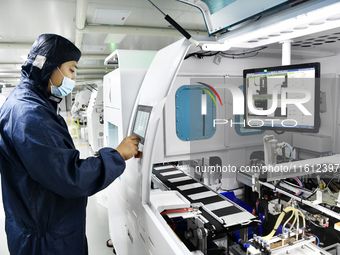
(141, 121)
(283, 98)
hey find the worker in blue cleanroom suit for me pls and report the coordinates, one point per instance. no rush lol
(45, 184)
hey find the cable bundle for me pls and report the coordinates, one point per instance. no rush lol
(295, 214)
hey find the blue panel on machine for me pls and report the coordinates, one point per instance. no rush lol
(195, 112)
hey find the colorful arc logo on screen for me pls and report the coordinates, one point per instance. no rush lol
(209, 93)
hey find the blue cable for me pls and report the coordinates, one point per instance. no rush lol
(301, 185)
(298, 180)
(317, 238)
(291, 151)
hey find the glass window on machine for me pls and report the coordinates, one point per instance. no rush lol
(195, 112)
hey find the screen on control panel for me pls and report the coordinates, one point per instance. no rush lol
(141, 121)
(283, 98)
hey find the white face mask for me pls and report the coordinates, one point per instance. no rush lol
(65, 88)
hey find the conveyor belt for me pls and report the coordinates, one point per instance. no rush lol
(233, 216)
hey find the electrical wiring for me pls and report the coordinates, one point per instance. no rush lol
(290, 149)
(239, 57)
(309, 219)
(312, 222)
(202, 55)
(287, 221)
(236, 55)
(282, 146)
(256, 209)
(332, 195)
(336, 175)
(298, 180)
(312, 193)
(304, 220)
(290, 224)
(300, 184)
(295, 213)
(329, 154)
(277, 224)
(256, 50)
(317, 239)
(301, 189)
(296, 219)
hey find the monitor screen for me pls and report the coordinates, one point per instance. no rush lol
(141, 121)
(283, 98)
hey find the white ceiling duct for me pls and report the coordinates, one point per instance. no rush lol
(80, 21)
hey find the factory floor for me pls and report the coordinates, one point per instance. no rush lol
(97, 230)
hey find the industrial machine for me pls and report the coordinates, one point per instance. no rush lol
(206, 214)
(79, 106)
(212, 177)
(95, 119)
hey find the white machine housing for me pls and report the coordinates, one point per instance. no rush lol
(95, 119)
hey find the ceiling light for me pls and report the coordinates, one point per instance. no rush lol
(316, 23)
(302, 21)
(301, 28)
(333, 18)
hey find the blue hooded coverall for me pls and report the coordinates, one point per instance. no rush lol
(44, 183)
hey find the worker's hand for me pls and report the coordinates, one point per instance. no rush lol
(128, 147)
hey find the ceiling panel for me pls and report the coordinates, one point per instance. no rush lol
(144, 14)
(25, 20)
(22, 21)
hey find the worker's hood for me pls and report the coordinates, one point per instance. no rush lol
(47, 53)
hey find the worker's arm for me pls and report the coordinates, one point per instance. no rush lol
(47, 153)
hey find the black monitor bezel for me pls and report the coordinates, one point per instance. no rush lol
(315, 65)
(143, 108)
